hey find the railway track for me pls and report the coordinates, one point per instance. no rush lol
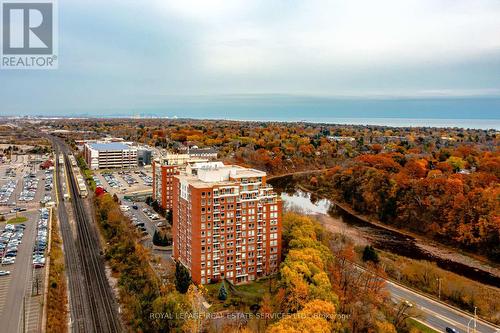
(78, 297)
(100, 304)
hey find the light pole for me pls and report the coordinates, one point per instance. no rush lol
(439, 287)
(475, 318)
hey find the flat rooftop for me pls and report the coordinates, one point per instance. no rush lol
(226, 170)
(216, 173)
(107, 146)
(198, 183)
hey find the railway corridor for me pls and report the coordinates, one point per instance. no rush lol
(92, 304)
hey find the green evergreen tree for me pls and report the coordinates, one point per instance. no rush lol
(182, 278)
(162, 240)
(222, 292)
(157, 239)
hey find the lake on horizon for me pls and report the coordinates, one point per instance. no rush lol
(402, 122)
(470, 112)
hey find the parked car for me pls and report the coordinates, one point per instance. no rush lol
(4, 273)
(8, 261)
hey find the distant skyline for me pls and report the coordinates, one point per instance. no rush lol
(224, 58)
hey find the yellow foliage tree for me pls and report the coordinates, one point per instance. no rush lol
(317, 316)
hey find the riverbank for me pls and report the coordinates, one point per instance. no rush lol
(421, 274)
(442, 251)
(359, 238)
(340, 218)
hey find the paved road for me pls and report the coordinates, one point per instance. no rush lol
(435, 314)
(438, 315)
(18, 284)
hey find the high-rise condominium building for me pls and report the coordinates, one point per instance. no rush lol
(226, 223)
(164, 170)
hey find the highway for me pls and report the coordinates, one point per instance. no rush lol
(438, 315)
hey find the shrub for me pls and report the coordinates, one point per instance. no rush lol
(162, 238)
(369, 254)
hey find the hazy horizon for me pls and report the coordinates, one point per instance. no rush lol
(467, 112)
(471, 112)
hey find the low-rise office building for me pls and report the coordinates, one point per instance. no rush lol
(108, 155)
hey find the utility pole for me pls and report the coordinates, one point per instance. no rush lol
(475, 318)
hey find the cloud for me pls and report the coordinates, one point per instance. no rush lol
(132, 53)
(348, 34)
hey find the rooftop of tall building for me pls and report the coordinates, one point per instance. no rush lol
(108, 146)
(208, 174)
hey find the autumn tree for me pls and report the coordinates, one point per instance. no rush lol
(317, 316)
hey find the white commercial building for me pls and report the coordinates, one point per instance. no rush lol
(104, 155)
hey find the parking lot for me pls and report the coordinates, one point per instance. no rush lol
(142, 216)
(19, 272)
(144, 220)
(119, 182)
(10, 176)
(10, 239)
(24, 189)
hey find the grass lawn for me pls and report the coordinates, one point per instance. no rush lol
(257, 288)
(420, 327)
(241, 299)
(19, 219)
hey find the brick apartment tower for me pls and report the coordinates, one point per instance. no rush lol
(226, 223)
(164, 170)
(163, 177)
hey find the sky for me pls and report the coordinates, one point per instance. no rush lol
(178, 57)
